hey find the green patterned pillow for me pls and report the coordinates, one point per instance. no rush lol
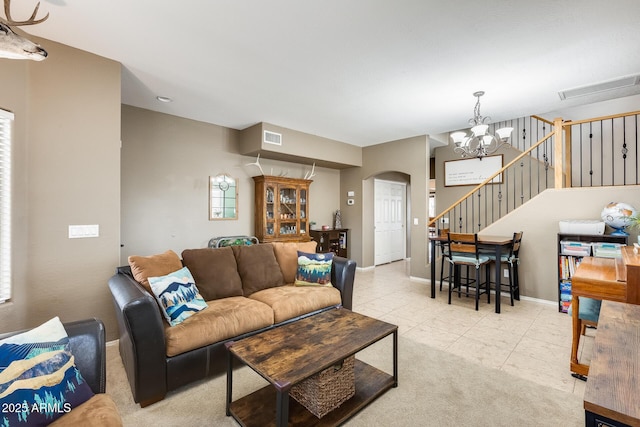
(314, 269)
(39, 381)
(177, 295)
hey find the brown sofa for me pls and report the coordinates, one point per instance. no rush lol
(247, 289)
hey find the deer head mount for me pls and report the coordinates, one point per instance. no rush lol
(14, 46)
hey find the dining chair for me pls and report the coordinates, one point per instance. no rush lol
(464, 251)
(511, 260)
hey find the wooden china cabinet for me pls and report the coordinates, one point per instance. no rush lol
(282, 209)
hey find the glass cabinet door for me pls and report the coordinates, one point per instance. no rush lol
(270, 211)
(303, 211)
(288, 211)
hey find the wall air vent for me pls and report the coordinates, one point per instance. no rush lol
(272, 138)
(600, 87)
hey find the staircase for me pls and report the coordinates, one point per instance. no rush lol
(603, 151)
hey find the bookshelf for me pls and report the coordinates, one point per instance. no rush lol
(572, 248)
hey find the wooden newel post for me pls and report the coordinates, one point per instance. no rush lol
(562, 154)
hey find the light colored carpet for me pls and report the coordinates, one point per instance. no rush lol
(435, 389)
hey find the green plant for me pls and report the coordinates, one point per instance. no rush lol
(634, 223)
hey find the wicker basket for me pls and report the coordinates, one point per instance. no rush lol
(328, 389)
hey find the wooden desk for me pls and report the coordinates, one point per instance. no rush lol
(605, 279)
(612, 394)
(496, 243)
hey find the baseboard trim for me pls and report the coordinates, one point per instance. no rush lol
(538, 300)
(445, 284)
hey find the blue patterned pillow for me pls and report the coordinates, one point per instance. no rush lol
(39, 381)
(177, 295)
(314, 269)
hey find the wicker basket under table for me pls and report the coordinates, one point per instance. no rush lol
(328, 389)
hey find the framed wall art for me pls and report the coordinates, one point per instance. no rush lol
(472, 171)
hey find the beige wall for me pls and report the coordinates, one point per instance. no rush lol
(408, 156)
(166, 164)
(539, 218)
(66, 171)
(301, 146)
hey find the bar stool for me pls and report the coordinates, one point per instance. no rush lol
(464, 251)
(444, 247)
(512, 261)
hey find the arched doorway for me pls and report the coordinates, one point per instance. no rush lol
(390, 221)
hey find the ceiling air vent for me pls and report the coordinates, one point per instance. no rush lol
(272, 138)
(600, 87)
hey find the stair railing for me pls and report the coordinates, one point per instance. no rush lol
(527, 175)
(601, 151)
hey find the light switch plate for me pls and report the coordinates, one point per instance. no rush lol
(82, 231)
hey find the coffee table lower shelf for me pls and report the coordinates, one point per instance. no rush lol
(259, 409)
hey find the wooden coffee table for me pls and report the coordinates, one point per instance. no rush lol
(289, 354)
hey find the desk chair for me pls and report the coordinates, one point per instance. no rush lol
(512, 261)
(464, 251)
(588, 316)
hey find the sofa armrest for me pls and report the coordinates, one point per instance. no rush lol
(343, 273)
(87, 341)
(87, 344)
(141, 337)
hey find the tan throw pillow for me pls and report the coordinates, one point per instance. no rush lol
(287, 256)
(162, 264)
(258, 267)
(215, 272)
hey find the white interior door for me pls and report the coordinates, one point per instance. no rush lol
(389, 221)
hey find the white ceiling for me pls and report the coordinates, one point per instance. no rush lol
(357, 71)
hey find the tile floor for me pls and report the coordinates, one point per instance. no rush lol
(531, 339)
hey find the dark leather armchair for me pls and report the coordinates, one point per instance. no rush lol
(87, 342)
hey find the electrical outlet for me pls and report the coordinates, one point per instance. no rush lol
(506, 273)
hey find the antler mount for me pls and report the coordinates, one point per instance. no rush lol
(31, 21)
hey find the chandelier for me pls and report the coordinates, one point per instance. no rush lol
(480, 142)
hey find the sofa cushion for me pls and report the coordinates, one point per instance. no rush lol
(37, 367)
(290, 301)
(287, 256)
(224, 318)
(314, 269)
(162, 264)
(177, 295)
(258, 267)
(215, 272)
(99, 411)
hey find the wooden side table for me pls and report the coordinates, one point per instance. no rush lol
(335, 240)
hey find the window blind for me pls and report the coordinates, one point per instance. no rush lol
(6, 120)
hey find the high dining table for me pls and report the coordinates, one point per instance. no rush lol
(496, 243)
